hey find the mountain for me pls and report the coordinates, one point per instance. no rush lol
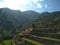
(46, 16)
(47, 23)
(15, 20)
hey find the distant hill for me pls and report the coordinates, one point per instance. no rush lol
(47, 23)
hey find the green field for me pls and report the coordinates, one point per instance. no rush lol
(52, 39)
(8, 42)
(0, 43)
(32, 41)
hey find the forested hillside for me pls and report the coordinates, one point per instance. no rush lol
(14, 21)
(48, 25)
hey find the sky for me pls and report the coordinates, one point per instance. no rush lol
(35, 5)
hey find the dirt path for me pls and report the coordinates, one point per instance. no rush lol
(13, 42)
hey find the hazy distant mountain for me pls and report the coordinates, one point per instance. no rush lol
(46, 16)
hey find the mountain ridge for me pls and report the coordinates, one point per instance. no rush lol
(15, 21)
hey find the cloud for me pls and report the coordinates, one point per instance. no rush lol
(46, 6)
(37, 4)
(41, 0)
(20, 4)
(37, 0)
(1, 4)
(1, 0)
(13, 4)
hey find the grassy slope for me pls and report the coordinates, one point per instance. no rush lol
(0, 43)
(33, 42)
(8, 42)
(52, 39)
(29, 40)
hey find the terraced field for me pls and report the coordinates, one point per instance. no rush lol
(44, 40)
(31, 40)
